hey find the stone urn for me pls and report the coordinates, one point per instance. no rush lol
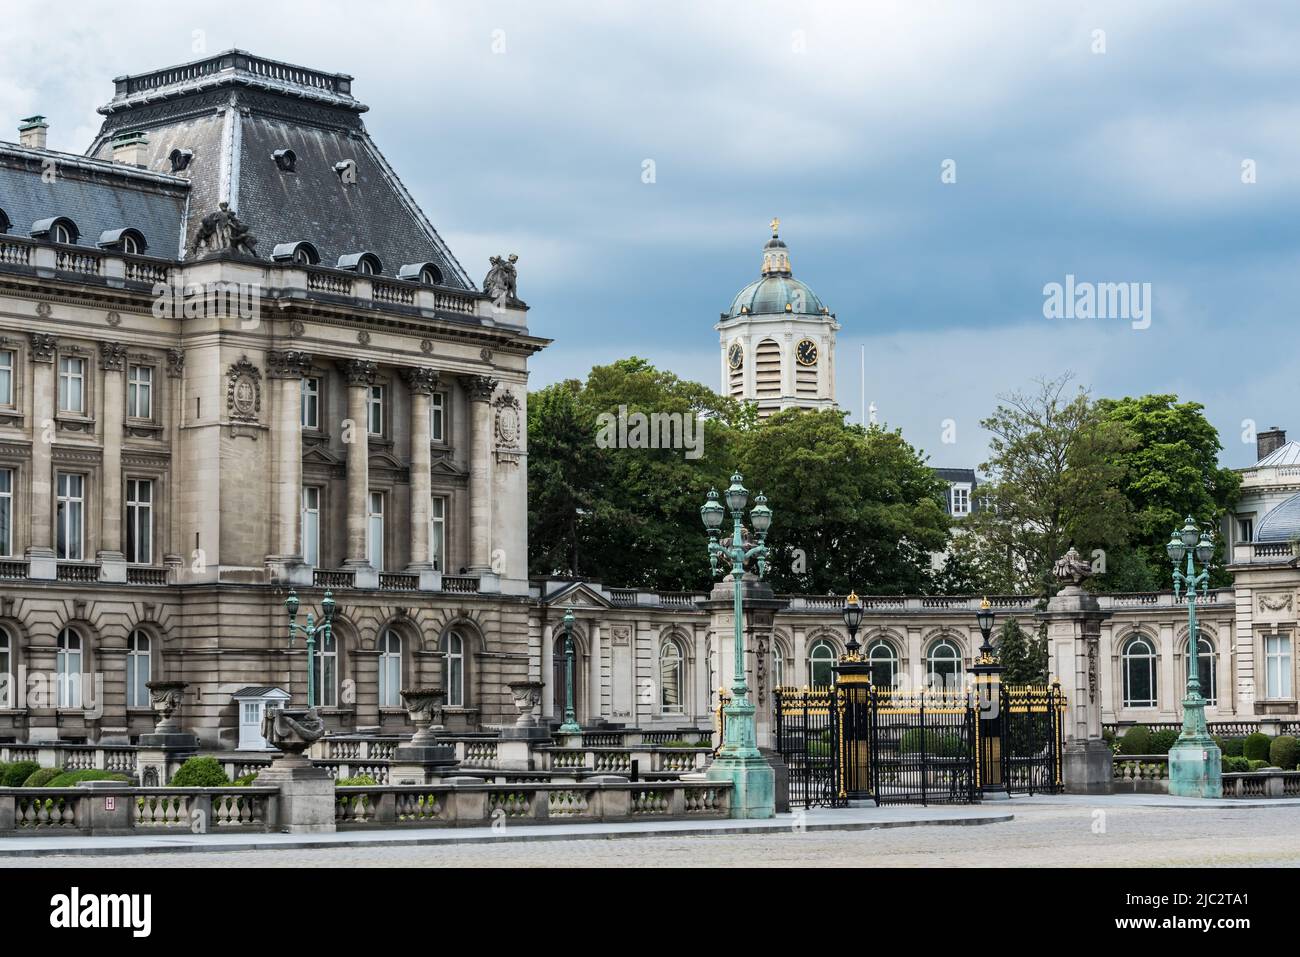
(292, 731)
(165, 698)
(527, 695)
(424, 708)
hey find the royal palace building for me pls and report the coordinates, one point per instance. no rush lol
(237, 359)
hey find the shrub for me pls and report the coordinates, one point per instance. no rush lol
(39, 779)
(1232, 747)
(200, 773)
(72, 778)
(937, 743)
(1255, 765)
(361, 780)
(1162, 741)
(1235, 765)
(245, 781)
(1136, 740)
(1255, 747)
(15, 774)
(1284, 752)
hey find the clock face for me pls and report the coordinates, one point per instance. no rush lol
(735, 355)
(806, 352)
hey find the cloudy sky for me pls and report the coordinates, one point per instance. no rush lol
(1108, 141)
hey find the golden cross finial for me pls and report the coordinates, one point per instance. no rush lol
(775, 224)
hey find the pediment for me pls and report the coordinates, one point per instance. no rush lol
(320, 455)
(579, 595)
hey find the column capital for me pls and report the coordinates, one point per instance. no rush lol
(44, 345)
(479, 387)
(420, 380)
(288, 365)
(112, 356)
(358, 371)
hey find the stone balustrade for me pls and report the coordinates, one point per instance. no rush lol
(110, 809)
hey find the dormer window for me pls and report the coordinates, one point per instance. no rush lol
(300, 253)
(426, 274)
(367, 264)
(180, 159)
(286, 159)
(129, 241)
(57, 229)
(346, 170)
(4, 223)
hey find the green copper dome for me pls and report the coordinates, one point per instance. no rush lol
(777, 292)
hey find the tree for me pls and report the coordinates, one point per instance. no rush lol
(1022, 654)
(853, 508)
(1055, 473)
(1171, 471)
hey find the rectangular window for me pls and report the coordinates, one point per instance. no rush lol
(1246, 530)
(311, 403)
(960, 500)
(375, 531)
(72, 385)
(6, 377)
(139, 521)
(1277, 657)
(311, 525)
(376, 406)
(70, 518)
(437, 417)
(139, 392)
(437, 531)
(6, 511)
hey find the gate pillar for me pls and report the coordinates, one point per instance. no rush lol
(990, 768)
(853, 703)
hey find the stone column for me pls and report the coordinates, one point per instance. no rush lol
(286, 370)
(548, 672)
(360, 375)
(175, 419)
(112, 562)
(422, 383)
(40, 550)
(593, 675)
(480, 389)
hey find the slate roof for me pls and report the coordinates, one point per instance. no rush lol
(98, 196)
(233, 111)
(1288, 454)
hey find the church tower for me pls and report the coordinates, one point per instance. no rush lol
(778, 340)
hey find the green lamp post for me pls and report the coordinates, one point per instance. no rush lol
(1195, 762)
(739, 760)
(310, 631)
(570, 725)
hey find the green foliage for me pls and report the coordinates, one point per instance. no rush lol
(200, 772)
(1284, 751)
(1232, 747)
(68, 779)
(1163, 740)
(1255, 746)
(1023, 654)
(1136, 740)
(16, 774)
(41, 778)
(359, 780)
(1171, 470)
(1256, 765)
(683, 743)
(1235, 765)
(937, 743)
(245, 781)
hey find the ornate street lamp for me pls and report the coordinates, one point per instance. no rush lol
(852, 621)
(738, 758)
(1195, 761)
(570, 725)
(987, 672)
(310, 631)
(852, 707)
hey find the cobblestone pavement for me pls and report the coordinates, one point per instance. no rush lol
(1042, 835)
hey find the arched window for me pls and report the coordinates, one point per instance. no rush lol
(137, 670)
(4, 222)
(1206, 671)
(453, 669)
(327, 671)
(1139, 663)
(884, 663)
(390, 669)
(6, 670)
(672, 678)
(68, 666)
(944, 664)
(778, 665)
(821, 659)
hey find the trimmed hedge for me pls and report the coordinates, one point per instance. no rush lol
(1162, 741)
(1233, 765)
(39, 779)
(1136, 740)
(1255, 747)
(245, 781)
(1255, 765)
(1232, 747)
(15, 774)
(937, 743)
(199, 773)
(1284, 752)
(71, 778)
(360, 780)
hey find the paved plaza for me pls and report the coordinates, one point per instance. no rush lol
(1129, 831)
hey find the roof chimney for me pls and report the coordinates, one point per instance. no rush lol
(129, 148)
(1270, 441)
(31, 132)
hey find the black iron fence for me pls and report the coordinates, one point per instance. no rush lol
(923, 747)
(1032, 735)
(807, 735)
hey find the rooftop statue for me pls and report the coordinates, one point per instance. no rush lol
(502, 278)
(223, 231)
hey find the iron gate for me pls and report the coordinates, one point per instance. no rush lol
(923, 747)
(807, 735)
(1032, 732)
